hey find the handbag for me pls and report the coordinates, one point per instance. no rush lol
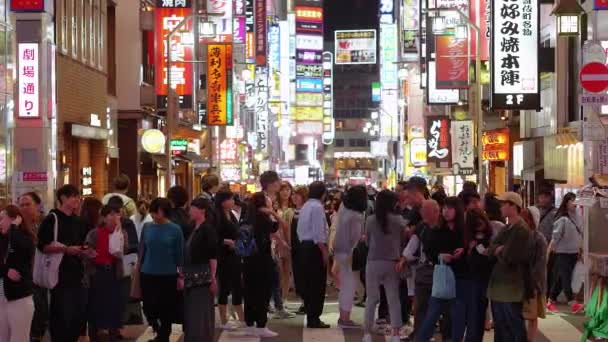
(46, 266)
(444, 282)
(579, 274)
(129, 263)
(359, 256)
(196, 275)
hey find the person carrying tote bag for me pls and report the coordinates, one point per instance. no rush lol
(46, 266)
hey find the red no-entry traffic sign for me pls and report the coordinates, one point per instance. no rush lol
(594, 77)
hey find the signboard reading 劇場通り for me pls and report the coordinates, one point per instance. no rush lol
(355, 47)
(515, 72)
(29, 103)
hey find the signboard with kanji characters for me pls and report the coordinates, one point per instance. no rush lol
(452, 62)
(260, 33)
(29, 92)
(515, 39)
(167, 19)
(173, 4)
(496, 145)
(218, 96)
(438, 141)
(462, 144)
(261, 108)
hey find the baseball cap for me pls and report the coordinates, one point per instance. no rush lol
(512, 197)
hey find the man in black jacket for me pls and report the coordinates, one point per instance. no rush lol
(68, 298)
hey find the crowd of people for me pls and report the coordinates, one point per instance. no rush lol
(464, 264)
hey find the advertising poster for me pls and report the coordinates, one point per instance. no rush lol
(355, 47)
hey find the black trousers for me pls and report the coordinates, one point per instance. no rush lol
(406, 302)
(159, 294)
(314, 280)
(562, 270)
(230, 281)
(68, 311)
(257, 272)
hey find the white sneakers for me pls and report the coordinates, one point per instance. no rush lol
(260, 332)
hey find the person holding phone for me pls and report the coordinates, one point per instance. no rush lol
(69, 297)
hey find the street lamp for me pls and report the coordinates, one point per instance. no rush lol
(568, 15)
(439, 22)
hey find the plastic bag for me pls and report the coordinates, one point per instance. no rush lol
(578, 276)
(444, 282)
(117, 243)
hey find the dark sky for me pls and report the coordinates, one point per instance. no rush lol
(349, 14)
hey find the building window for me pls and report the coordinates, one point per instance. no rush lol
(94, 32)
(339, 142)
(84, 19)
(63, 28)
(361, 143)
(75, 27)
(101, 38)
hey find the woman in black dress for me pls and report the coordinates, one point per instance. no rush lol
(229, 264)
(200, 265)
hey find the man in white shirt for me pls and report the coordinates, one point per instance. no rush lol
(313, 234)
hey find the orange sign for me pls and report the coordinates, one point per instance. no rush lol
(306, 13)
(217, 94)
(496, 145)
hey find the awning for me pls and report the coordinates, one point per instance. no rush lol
(89, 132)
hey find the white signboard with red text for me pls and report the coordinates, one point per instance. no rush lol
(29, 101)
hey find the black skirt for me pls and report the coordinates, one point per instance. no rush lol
(106, 299)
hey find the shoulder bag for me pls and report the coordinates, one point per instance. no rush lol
(46, 266)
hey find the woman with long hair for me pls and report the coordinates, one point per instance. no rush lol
(349, 228)
(229, 266)
(17, 244)
(258, 268)
(162, 253)
(285, 208)
(105, 273)
(447, 244)
(299, 197)
(535, 308)
(567, 243)
(383, 231)
(200, 260)
(478, 236)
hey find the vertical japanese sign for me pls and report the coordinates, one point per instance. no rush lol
(452, 62)
(217, 84)
(409, 26)
(260, 32)
(389, 81)
(515, 73)
(387, 11)
(462, 144)
(438, 141)
(29, 100)
(274, 61)
(249, 32)
(261, 108)
(222, 20)
(239, 30)
(328, 99)
(167, 19)
(480, 15)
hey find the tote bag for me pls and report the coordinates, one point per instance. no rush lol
(46, 266)
(444, 283)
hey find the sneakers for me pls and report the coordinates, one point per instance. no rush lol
(551, 307)
(266, 333)
(301, 310)
(348, 324)
(367, 338)
(229, 326)
(250, 331)
(283, 314)
(576, 307)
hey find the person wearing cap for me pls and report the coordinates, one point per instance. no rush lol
(510, 283)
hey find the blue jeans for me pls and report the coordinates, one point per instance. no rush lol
(277, 295)
(435, 309)
(509, 325)
(461, 308)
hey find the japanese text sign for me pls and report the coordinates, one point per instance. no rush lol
(167, 19)
(29, 92)
(496, 145)
(173, 4)
(452, 62)
(222, 20)
(462, 144)
(228, 149)
(438, 141)
(260, 32)
(261, 108)
(27, 6)
(387, 11)
(217, 84)
(515, 72)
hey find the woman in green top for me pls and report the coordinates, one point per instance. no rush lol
(162, 254)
